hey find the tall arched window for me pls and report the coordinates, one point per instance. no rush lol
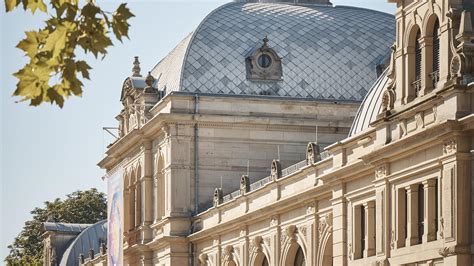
(299, 258)
(436, 55)
(159, 189)
(418, 63)
(265, 262)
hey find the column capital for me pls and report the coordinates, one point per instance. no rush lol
(429, 182)
(413, 188)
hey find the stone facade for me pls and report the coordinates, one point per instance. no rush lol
(398, 192)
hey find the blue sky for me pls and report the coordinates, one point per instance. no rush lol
(47, 152)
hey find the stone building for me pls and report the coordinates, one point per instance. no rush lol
(72, 244)
(244, 145)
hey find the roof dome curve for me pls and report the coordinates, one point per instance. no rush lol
(88, 239)
(371, 106)
(327, 52)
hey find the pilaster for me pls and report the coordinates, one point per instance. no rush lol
(339, 225)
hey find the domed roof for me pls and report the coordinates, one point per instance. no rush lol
(327, 52)
(370, 107)
(90, 238)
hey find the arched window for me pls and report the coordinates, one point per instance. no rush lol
(265, 262)
(132, 206)
(418, 63)
(299, 258)
(159, 189)
(436, 55)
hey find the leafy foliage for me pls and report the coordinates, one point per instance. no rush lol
(51, 75)
(86, 207)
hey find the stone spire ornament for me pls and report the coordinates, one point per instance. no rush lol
(149, 80)
(265, 42)
(136, 68)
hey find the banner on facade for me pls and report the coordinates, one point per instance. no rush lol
(115, 218)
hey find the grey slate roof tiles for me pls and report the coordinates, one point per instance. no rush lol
(327, 52)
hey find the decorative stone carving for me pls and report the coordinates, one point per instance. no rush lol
(136, 67)
(228, 250)
(449, 147)
(312, 153)
(264, 64)
(203, 259)
(350, 251)
(441, 233)
(310, 209)
(218, 197)
(381, 172)
(276, 170)
(257, 243)
(274, 221)
(324, 224)
(455, 67)
(321, 227)
(267, 241)
(435, 112)
(283, 239)
(291, 232)
(388, 100)
(419, 120)
(303, 230)
(244, 184)
(392, 240)
(243, 232)
(454, 250)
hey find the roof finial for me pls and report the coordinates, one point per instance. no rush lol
(149, 79)
(136, 68)
(265, 41)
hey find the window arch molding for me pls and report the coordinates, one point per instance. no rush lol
(431, 29)
(126, 199)
(159, 187)
(259, 252)
(293, 241)
(413, 62)
(290, 253)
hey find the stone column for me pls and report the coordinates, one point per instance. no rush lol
(382, 214)
(146, 184)
(456, 201)
(126, 209)
(429, 189)
(132, 208)
(339, 230)
(138, 199)
(369, 212)
(412, 215)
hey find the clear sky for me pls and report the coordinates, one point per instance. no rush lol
(47, 152)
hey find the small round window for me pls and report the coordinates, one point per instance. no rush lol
(264, 61)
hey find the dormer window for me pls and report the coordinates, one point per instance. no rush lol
(264, 64)
(264, 61)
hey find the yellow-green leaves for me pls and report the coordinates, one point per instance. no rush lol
(32, 5)
(120, 21)
(29, 44)
(56, 41)
(11, 4)
(52, 73)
